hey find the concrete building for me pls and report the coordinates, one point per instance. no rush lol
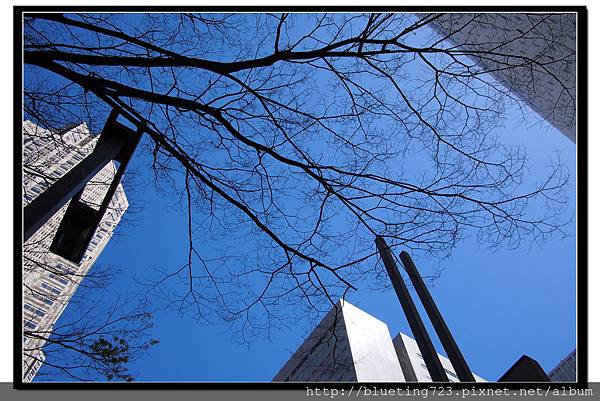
(49, 281)
(359, 349)
(532, 54)
(565, 370)
(413, 364)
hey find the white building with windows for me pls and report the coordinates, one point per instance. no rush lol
(49, 281)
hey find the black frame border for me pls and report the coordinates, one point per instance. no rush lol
(581, 202)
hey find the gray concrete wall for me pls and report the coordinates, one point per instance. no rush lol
(532, 55)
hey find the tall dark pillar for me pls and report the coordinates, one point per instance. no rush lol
(430, 356)
(39, 211)
(458, 362)
(116, 142)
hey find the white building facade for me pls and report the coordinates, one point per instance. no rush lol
(413, 364)
(534, 56)
(360, 349)
(49, 281)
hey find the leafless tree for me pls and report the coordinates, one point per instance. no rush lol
(292, 140)
(95, 342)
(94, 338)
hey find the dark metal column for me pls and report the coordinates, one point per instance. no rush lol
(458, 362)
(116, 142)
(434, 365)
(37, 213)
(80, 221)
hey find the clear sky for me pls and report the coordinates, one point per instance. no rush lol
(499, 305)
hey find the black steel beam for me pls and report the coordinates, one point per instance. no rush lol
(37, 213)
(116, 142)
(456, 358)
(80, 222)
(124, 156)
(430, 356)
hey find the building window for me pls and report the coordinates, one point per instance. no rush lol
(33, 309)
(30, 325)
(43, 298)
(50, 288)
(61, 280)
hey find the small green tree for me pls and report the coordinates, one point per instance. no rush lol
(114, 356)
(93, 341)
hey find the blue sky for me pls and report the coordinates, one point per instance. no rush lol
(499, 305)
